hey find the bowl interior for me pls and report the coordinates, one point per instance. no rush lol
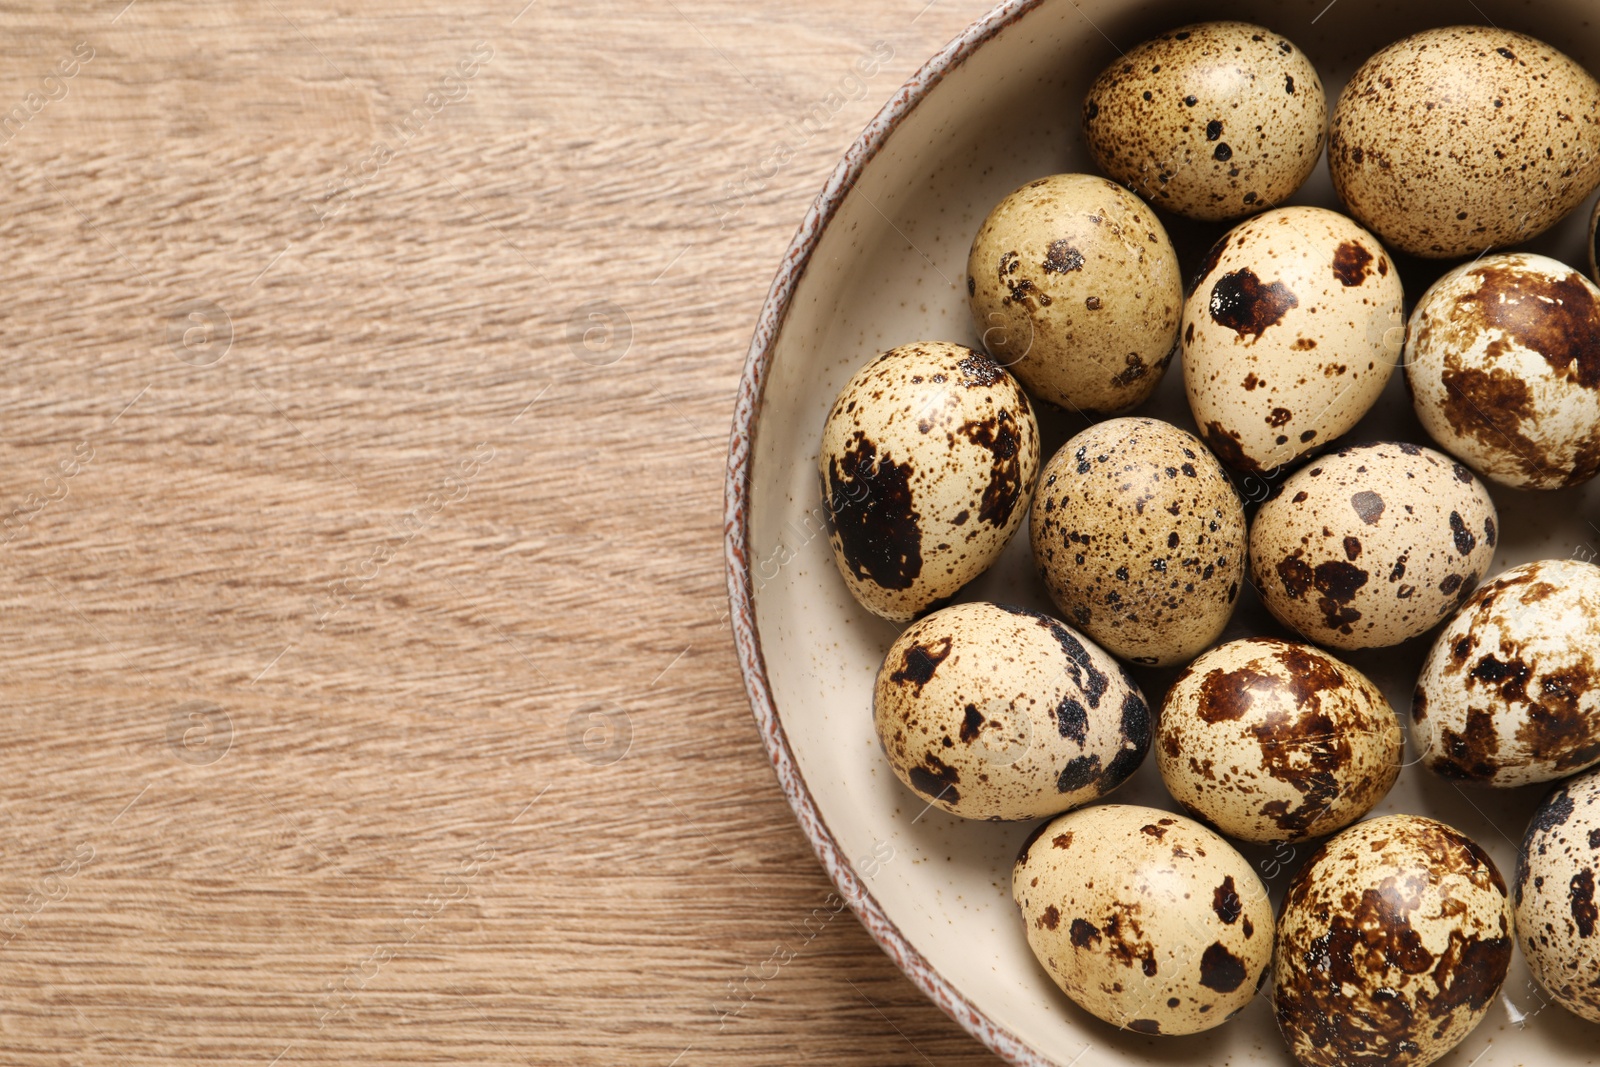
(889, 269)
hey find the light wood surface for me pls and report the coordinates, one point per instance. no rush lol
(367, 693)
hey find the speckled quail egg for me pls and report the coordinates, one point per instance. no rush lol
(1075, 287)
(1503, 360)
(1373, 545)
(1392, 942)
(1145, 919)
(1295, 324)
(1462, 139)
(993, 712)
(1141, 539)
(928, 461)
(1510, 693)
(1213, 121)
(1269, 740)
(1557, 916)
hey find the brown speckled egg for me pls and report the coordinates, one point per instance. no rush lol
(1510, 692)
(1503, 359)
(1558, 920)
(1213, 121)
(1274, 741)
(1140, 539)
(993, 712)
(1293, 328)
(1145, 919)
(1075, 287)
(1373, 545)
(1458, 140)
(1393, 940)
(928, 461)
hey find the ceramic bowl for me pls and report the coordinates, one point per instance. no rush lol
(880, 260)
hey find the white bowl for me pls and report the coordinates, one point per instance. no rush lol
(880, 260)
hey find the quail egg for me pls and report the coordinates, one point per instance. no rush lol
(1510, 693)
(1554, 889)
(1372, 545)
(1213, 121)
(1295, 324)
(1274, 741)
(1145, 919)
(1392, 942)
(1075, 287)
(993, 712)
(1503, 360)
(1141, 539)
(1463, 139)
(928, 461)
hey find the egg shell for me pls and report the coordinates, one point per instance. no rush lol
(1213, 121)
(1146, 919)
(1295, 324)
(1392, 942)
(1373, 545)
(1270, 740)
(1554, 890)
(1503, 360)
(994, 712)
(1459, 140)
(1075, 287)
(1510, 693)
(1140, 539)
(928, 461)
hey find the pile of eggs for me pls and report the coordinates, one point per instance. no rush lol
(1397, 932)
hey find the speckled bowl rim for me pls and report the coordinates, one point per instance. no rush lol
(736, 536)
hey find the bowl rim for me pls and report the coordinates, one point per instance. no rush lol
(736, 535)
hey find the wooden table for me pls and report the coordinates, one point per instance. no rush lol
(368, 370)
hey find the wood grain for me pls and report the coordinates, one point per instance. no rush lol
(368, 698)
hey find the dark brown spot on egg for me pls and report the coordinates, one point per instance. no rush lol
(1296, 575)
(935, 780)
(1368, 505)
(1145, 1026)
(1062, 258)
(1221, 970)
(972, 725)
(1241, 303)
(1558, 318)
(873, 516)
(1351, 264)
(1581, 894)
(1338, 582)
(1279, 417)
(1490, 407)
(1134, 368)
(1050, 918)
(1223, 153)
(979, 370)
(1464, 539)
(919, 662)
(998, 434)
(1079, 773)
(1062, 840)
(1225, 444)
(1225, 901)
(1084, 934)
(1352, 548)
